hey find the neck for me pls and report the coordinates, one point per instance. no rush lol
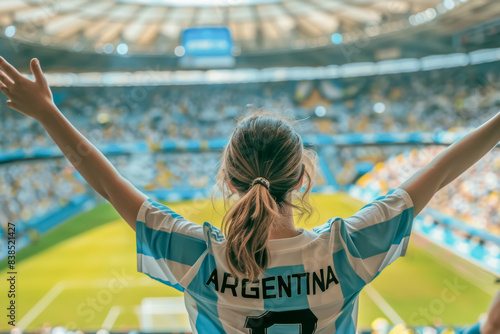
(284, 228)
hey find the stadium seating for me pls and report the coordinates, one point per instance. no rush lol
(421, 101)
(148, 120)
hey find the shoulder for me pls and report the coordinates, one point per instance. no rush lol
(213, 232)
(158, 217)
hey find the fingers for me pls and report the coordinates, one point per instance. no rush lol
(37, 71)
(9, 69)
(3, 87)
(5, 91)
(5, 80)
(10, 104)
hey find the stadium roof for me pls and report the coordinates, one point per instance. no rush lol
(299, 31)
(154, 26)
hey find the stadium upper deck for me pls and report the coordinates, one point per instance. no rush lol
(426, 101)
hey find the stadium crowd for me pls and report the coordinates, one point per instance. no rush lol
(426, 101)
(166, 171)
(31, 189)
(474, 197)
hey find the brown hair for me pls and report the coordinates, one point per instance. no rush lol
(264, 161)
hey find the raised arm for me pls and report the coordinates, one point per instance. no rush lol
(34, 99)
(452, 162)
(491, 324)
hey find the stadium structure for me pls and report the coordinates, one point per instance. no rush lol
(379, 89)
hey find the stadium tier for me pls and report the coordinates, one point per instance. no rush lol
(462, 217)
(427, 101)
(407, 108)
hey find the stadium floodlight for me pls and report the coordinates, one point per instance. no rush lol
(108, 48)
(122, 49)
(449, 4)
(337, 38)
(420, 18)
(441, 9)
(10, 31)
(430, 13)
(179, 51)
(412, 20)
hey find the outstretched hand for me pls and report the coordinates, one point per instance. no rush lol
(32, 98)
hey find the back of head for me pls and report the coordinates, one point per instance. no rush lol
(263, 163)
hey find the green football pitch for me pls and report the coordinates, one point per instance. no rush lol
(83, 273)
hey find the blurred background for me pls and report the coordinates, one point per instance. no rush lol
(379, 89)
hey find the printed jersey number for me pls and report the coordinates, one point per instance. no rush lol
(306, 320)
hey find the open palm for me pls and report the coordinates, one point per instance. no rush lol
(28, 97)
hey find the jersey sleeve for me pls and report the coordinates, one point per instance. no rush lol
(378, 234)
(167, 244)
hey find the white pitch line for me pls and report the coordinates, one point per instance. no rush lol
(110, 320)
(138, 313)
(41, 305)
(383, 305)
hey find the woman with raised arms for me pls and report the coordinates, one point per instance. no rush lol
(260, 271)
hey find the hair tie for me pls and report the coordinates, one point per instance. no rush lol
(262, 181)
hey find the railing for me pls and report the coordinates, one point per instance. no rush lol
(424, 138)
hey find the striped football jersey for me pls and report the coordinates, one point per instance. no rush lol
(312, 282)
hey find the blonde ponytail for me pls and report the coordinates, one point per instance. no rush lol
(247, 225)
(263, 163)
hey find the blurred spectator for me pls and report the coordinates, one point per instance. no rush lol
(29, 189)
(474, 197)
(428, 101)
(422, 101)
